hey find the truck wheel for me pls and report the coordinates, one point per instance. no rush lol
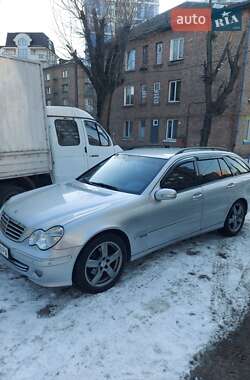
(100, 264)
(7, 191)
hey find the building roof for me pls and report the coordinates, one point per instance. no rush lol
(161, 22)
(37, 40)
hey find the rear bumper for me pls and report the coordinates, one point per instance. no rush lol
(54, 269)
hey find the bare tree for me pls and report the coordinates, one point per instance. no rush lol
(217, 90)
(105, 35)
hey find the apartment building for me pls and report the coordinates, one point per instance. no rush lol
(33, 46)
(66, 84)
(161, 101)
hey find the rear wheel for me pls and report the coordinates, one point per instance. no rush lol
(235, 219)
(100, 264)
(9, 190)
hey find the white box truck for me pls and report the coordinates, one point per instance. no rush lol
(40, 145)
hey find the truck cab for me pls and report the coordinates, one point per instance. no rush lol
(77, 141)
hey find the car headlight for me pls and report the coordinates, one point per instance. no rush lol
(46, 239)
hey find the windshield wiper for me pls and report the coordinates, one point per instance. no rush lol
(104, 185)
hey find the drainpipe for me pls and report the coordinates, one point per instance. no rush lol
(243, 74)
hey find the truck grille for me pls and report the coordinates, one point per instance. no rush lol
(11, 228)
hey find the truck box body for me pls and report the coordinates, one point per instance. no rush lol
(24, 146)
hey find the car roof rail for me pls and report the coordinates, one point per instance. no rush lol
(194, 148)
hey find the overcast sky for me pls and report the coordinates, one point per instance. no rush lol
(37, 16)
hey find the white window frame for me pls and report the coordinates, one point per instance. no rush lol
(156, 92)
(159, 53)
(143, 93)
(127, 129)
(129, 94)
(180, 49)
(171, 124)
(48, 91)
(130, 60)
(49, 103)
(247, 138)
(175, 90)
(65, 74)
(48, 76)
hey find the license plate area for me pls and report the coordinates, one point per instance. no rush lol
(4, 251)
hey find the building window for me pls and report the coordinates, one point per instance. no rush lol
(65, 102)
(127, 131)
(49, 103)
(130, 62)
(48, 90)
(159, 52)
(65, 88)
(48, 76)
(129, 94)
(145, 55)
(176, 49)
(65, 74)
(247, 136)
(156, 92)
(174, 91)
(171, 131)
(144, 92)
(142, 129)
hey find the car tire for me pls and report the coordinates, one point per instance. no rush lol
(100, 264)
(235, 219)
(7, 191)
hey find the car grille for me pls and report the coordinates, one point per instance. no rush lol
(11, 228)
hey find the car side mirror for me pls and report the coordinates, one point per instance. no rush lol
(165, 194)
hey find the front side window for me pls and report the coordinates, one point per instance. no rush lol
(237, 167)
(182, 177)
(124, 172)
(128, 126)
(131, 57)
(67, 132)
(96, 135)
(209, 170)
(174, 91)
(159, 53)
(129, 93)
(225, 171)
(176, 49)
(171, 131)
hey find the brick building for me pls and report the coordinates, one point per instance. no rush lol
(66, 84)
(161, 101)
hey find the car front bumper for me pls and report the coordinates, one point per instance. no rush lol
(49, 268)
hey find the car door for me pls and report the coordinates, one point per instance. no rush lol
(216, 181)
(68, 149)
(178, 218)
(98, 144)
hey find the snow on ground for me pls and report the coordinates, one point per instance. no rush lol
(165, 309)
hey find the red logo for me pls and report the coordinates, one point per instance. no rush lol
(191, 19)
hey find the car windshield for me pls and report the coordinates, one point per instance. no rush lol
(124, 172)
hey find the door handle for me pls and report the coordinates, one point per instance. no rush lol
(197, 196)
(230, 185)
(94, 155)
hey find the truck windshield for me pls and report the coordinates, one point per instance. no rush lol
(124, 172)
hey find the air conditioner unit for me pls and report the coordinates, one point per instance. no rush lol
(155, 123)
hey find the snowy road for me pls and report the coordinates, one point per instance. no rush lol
(163, 311)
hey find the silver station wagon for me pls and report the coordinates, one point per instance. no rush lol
(129, 205)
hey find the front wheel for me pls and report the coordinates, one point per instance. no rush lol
(235, 219)
(100, 264)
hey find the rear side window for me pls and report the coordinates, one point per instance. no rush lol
(236, 166)
(96, 136)
(225, 171)
(209, 170)
(181, 178)
(67, 132)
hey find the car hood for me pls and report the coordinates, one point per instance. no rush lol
(61, 204)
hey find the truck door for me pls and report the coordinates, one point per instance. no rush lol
(68, 149)
(98, 143)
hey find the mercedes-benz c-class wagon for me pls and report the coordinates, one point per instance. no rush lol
(127, 206)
